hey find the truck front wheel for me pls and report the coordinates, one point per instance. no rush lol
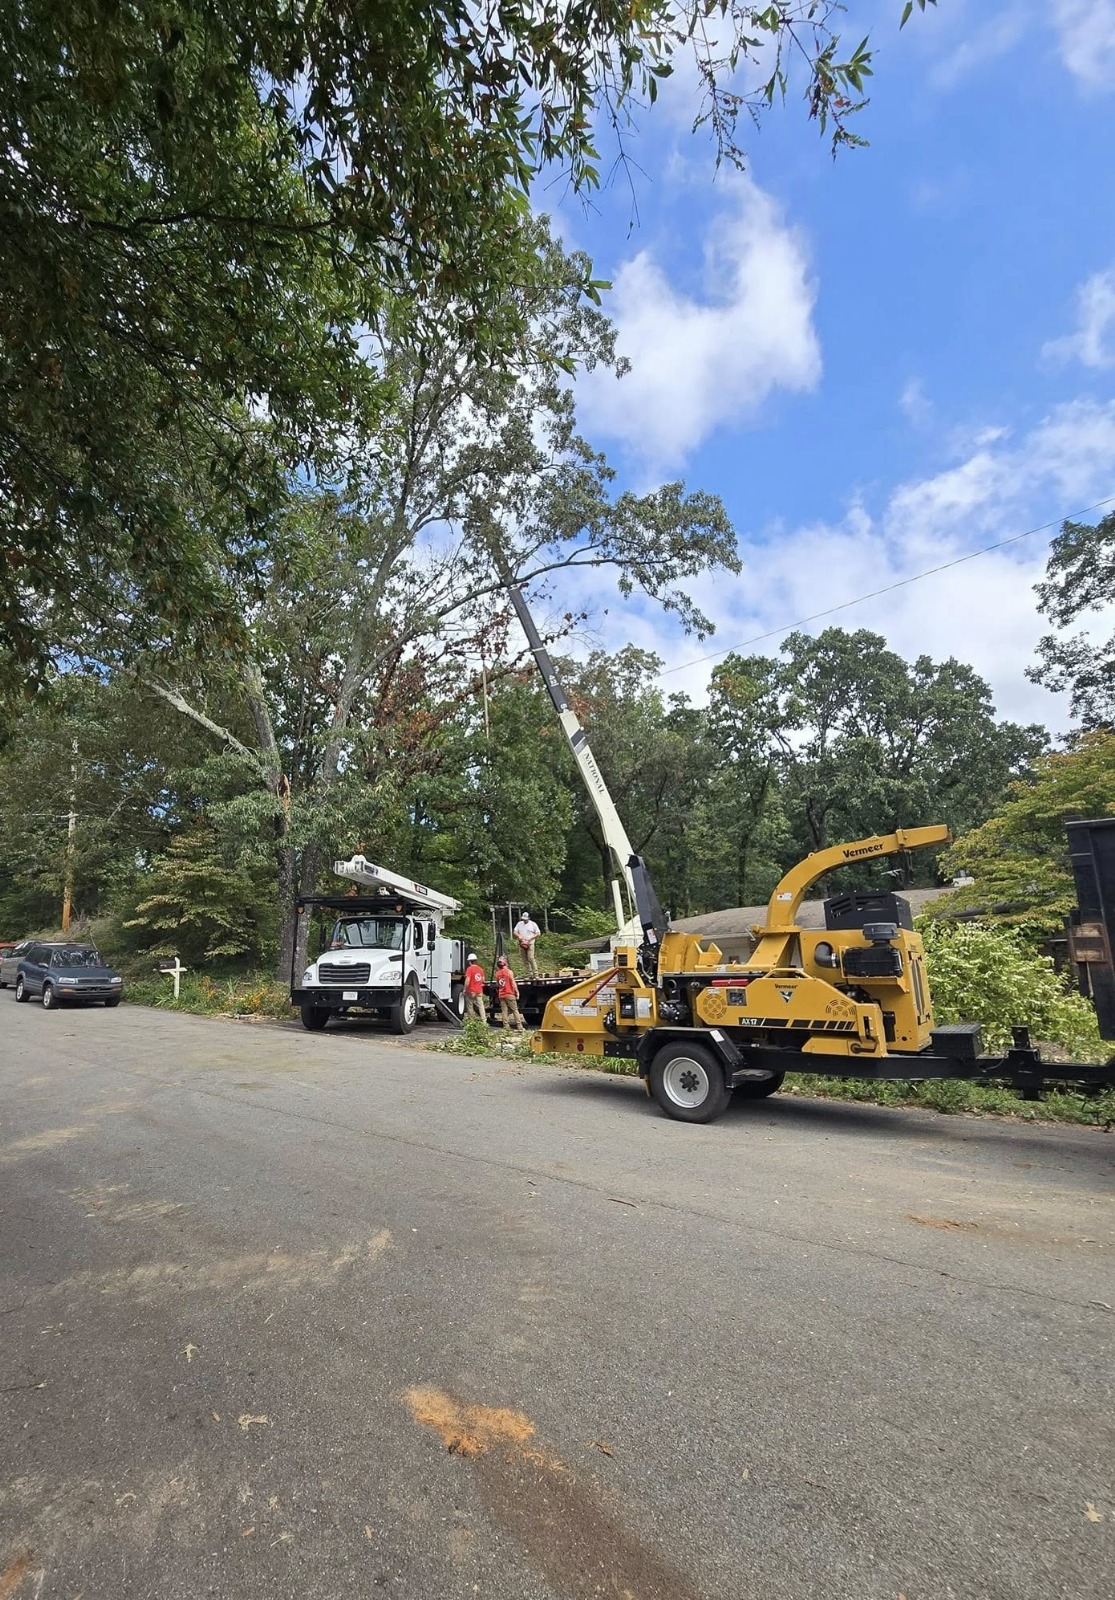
(314, 1018)
(405, 1014)
(688, 1082)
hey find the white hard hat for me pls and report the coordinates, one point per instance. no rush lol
(472, 955)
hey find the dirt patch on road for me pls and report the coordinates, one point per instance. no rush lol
(567, 1527)
(1012, 1232)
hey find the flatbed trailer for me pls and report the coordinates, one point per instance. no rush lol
(535, 995)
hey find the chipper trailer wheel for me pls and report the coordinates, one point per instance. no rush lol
(688, 1082)
(760, 1088)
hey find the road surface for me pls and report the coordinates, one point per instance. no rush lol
(332, 1316)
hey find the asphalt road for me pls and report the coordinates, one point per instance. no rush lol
(324, 1316)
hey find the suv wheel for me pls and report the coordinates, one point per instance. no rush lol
(50, 999)
(21, 989)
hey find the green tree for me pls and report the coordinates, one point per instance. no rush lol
(1079, 578)
(1018, 859)
(201, 901)
(872, 742)
(201, 206)
(990, 975)
(647, 756)
(370, 607)
(122, 764)
(740, 833)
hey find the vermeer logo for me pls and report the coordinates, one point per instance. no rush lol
(866, 850)
(787, 995)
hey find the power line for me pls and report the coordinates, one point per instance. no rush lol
(901, 583)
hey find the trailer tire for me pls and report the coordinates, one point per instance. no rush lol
(760, 1088)
(314, 1018)
(688, 1082)
(405, 1014)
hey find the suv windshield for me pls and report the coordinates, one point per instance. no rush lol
(76, 958)
(368, 933)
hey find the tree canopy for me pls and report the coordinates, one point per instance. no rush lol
(1018, 859)
(202, 206)
(1079, 578)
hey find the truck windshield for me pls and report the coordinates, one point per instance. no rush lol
(368, 933)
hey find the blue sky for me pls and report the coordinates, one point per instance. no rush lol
(885, 362)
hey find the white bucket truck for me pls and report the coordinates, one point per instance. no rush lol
(386, 954)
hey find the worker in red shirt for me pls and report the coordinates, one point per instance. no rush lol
(474, 989)
(507, 993)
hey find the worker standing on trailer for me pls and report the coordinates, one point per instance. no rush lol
(526, 932)
(474, 989)
(507, 993)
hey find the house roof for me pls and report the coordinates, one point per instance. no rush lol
(738, 921)
(731, 929)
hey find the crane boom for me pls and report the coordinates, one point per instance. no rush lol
(615, 834)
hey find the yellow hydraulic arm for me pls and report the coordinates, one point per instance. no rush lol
(777, 935)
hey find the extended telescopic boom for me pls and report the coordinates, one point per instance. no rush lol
(615, 834)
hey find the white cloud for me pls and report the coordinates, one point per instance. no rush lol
(1093, 343)
(703, 362)
(995, 36)
(1086, 38)
(915, 404)
(983, 612)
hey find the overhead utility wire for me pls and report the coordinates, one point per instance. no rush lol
(901, 583)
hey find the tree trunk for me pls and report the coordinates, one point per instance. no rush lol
(742, 862)
(311, 870)
(284, 864)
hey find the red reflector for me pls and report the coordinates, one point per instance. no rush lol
(729, 983)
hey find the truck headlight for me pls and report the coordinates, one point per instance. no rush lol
(308, 976)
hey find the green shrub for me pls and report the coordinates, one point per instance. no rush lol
(989, 974)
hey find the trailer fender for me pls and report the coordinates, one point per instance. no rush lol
(725, 1051)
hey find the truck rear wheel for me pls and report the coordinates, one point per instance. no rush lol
(760, 1088)
(314, 1018)
(405, 1014)
(688, 1082)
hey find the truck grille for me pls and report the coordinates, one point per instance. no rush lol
(350, 975)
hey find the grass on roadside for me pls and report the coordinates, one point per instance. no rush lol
(249, 994)
(951, 1095)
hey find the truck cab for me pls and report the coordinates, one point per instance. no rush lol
(383, 954)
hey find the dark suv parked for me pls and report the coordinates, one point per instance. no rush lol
(66, 972)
